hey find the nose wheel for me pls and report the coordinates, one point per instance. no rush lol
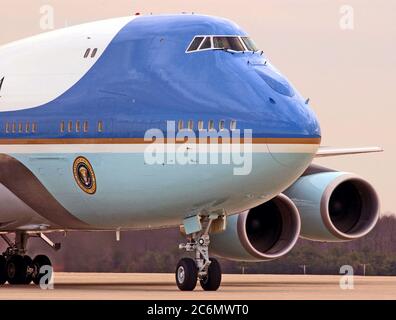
(212, 281)
(186, 274)
(206, 270)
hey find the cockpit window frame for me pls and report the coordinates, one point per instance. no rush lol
(194, 43)
(248, 42)
(212, 44)
(202, 43)
(232, 39)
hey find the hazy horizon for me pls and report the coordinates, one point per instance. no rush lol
(347, 74)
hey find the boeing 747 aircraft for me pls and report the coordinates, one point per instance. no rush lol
(148, 122)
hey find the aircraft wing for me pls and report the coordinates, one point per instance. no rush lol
(324, 152)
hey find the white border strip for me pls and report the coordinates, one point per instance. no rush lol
(140, 148)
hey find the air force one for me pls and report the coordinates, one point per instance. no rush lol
(76, 105)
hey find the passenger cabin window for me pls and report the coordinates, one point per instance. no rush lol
(200, 125)
(94, 52)
(79, 126)
(87, 53)
(34, 127)
(180, 125)
(221, 125)
(211, 125)
(190, 125)
(100, 126)
(233, 125)
(17, 127)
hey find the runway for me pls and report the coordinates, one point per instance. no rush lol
(163, 287)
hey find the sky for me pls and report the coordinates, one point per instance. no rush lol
(340, 54)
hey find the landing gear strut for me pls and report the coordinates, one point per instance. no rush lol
(18, 268)
(206, 270)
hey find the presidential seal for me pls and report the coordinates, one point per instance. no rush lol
(84, 175)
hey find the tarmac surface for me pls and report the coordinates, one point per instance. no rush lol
(234, 287)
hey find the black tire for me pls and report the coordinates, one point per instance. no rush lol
(3, 273)
(16, 270)
(186, 274)
(213, 280)
(29, 264)
(38, 262)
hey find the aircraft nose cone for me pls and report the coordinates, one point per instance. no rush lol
(286, 113)
(294, 126)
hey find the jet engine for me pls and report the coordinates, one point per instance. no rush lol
(263, 233)
(334, 206)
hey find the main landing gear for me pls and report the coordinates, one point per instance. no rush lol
(206, 270)
(18, 268)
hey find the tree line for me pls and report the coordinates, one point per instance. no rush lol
(157, 251)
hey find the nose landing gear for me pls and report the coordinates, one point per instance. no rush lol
(206, 270)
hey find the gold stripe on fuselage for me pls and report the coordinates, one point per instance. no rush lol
(315, 141)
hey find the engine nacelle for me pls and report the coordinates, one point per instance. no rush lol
(264, 233)
(334, 206)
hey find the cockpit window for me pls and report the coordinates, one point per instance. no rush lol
(230, 43)
(195, 44)
(207, 44)
(250, 45)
